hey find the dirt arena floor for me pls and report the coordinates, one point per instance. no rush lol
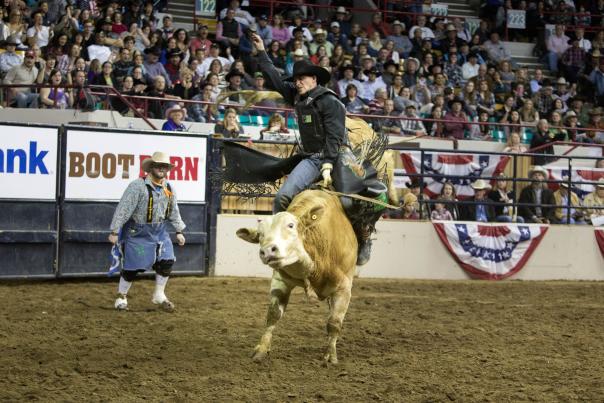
(403, 341)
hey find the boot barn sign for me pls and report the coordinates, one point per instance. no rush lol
(28, 162)
(99, 166)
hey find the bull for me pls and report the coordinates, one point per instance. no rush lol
(312, 241)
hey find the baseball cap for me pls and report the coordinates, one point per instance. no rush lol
(335, 24)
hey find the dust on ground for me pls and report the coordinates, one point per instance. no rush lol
(402, 341)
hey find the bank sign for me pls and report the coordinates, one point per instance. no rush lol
(100, 165)
(28, 162)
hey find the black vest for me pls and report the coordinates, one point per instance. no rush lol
(230, 28)
(310, 122)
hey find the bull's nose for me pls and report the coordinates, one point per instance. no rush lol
(268, 251)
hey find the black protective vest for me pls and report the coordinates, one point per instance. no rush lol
(310, 123)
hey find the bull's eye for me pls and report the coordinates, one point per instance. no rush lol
(290, 225)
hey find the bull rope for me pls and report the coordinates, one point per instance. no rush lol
(359, 197)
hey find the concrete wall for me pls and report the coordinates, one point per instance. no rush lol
(412, 250)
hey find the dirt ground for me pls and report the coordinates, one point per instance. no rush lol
(403, 341)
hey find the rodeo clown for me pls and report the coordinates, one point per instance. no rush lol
(321, 121)
(141, 214)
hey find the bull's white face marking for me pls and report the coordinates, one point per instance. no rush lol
(280, 244)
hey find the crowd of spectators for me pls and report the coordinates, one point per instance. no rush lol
(393, 71)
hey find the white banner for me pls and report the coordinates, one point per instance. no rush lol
(99, 166)
(28, 162)
(517, 19)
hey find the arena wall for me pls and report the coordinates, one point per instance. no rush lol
(412, 250)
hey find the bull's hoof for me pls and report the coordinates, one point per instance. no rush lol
(259, 354)
(329, 358)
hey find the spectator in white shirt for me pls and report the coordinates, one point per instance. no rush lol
(98, 50)
(421, 25)
(556, 44)
(470, 68)
(204, 67)
(38, 34)
(373, 83)
(584, 44)
(241, 16)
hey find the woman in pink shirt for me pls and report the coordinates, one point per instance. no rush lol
(280, 31)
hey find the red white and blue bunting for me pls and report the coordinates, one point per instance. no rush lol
(600, 239)
(490, 251)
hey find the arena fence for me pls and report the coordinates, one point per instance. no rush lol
(61, 187)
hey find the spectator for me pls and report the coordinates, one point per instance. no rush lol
(158, 91)
(98, 50)
(470, 68)
(82, 100)
(352, 102)
(537, 81)
(496, 49)
(201, 41)
(153, 68)
(503, 200)
(456, 121)
(38, 34)
(584, 44)
(594, 200)
(175, 115)
(411, 126)
(544, 99)
(421, 26)
(482, 210)
(9, 58)
(482, 131)
(448, 196)
(485, 100)
(537, 197)
(379, 25)
(575, 128)
(454, 71)
(276, 124)
(573, 60)
(343, 17)
(572, 214)
(436, 129)
(26, 73)
(385, 125)
(415, 187)
(55, 97)
(185, 88)
(440, 212)
(106, 77)
(513, 144)
(16, 26)
(204, 67)
(409, 207)
(228, 30)
(376, 105)
(373, 83)
(229, 127)
(556, 44)
(402, 44)
(320, 40)
(173, 65)
(528, 114)
(280, 32)
(558, 133)
(543, 139)
(298, 27)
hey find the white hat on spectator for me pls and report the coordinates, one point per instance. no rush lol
(600, 183)
(320, 31)
(158, 157)
(335, 24)
(299, 53)
(564, 182)
(561, 81)
(397, 22)
(176, 108)
(538, 169)
(480, 184)
(341, 10)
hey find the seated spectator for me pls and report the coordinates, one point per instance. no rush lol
(448, 196)
(594, 200)
(106, 77)
(596, 77)
(98, 50)
(153, 68)
(352, 102)
(503, 200)
(82, 98)
(410, 207)
(470, 68)
(298, 26)
(230, 126)
(411, 126)
(241, 16)
(175, 115)
(440, 212)
(276, 124)
(38, 34)
(55, 97)
(575, 128)
(185, 87)
(26, 73)
(204, 112)
(537, 197)
(556, 44)
(514, 144)
(280, 31)
(563, 92)
(485, 100)
(572, 214)
(205, 66)
(229, 30)
(436, 129)
(528, 114)
(573, 60)
(558, 133)
(9, 58)
(415, 187)
(544, 99)
(496, 49)
(425, 32)
(385, 125)
(483, 210)
(543, 139)
(456, 121)
(537, 81)
(484, 130)
(320, 39)
(373, 83)
(159, 90)
(379, 25)
(402, 44)
(201, 41)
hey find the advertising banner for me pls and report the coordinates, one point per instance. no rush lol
(99, 166)
(28, 162)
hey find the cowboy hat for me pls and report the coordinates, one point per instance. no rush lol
(233, 73)
(538, 169)
(414, 183)
(596, 111)
(175, 52)
(600, 183)
(176, 108)
(397, 22)
(570, 114)
(389, 63)
(320, 31)
(306, 68)
(153, 51)
(373, 70)
(341, 10)
(451, 27)
(561, 81)
(157, 158)
(480, 184)
(564, 182)
(456, 100)
(596, 53)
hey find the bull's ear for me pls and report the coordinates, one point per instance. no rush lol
(250, 235)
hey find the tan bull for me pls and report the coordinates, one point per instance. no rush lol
(312, 240)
